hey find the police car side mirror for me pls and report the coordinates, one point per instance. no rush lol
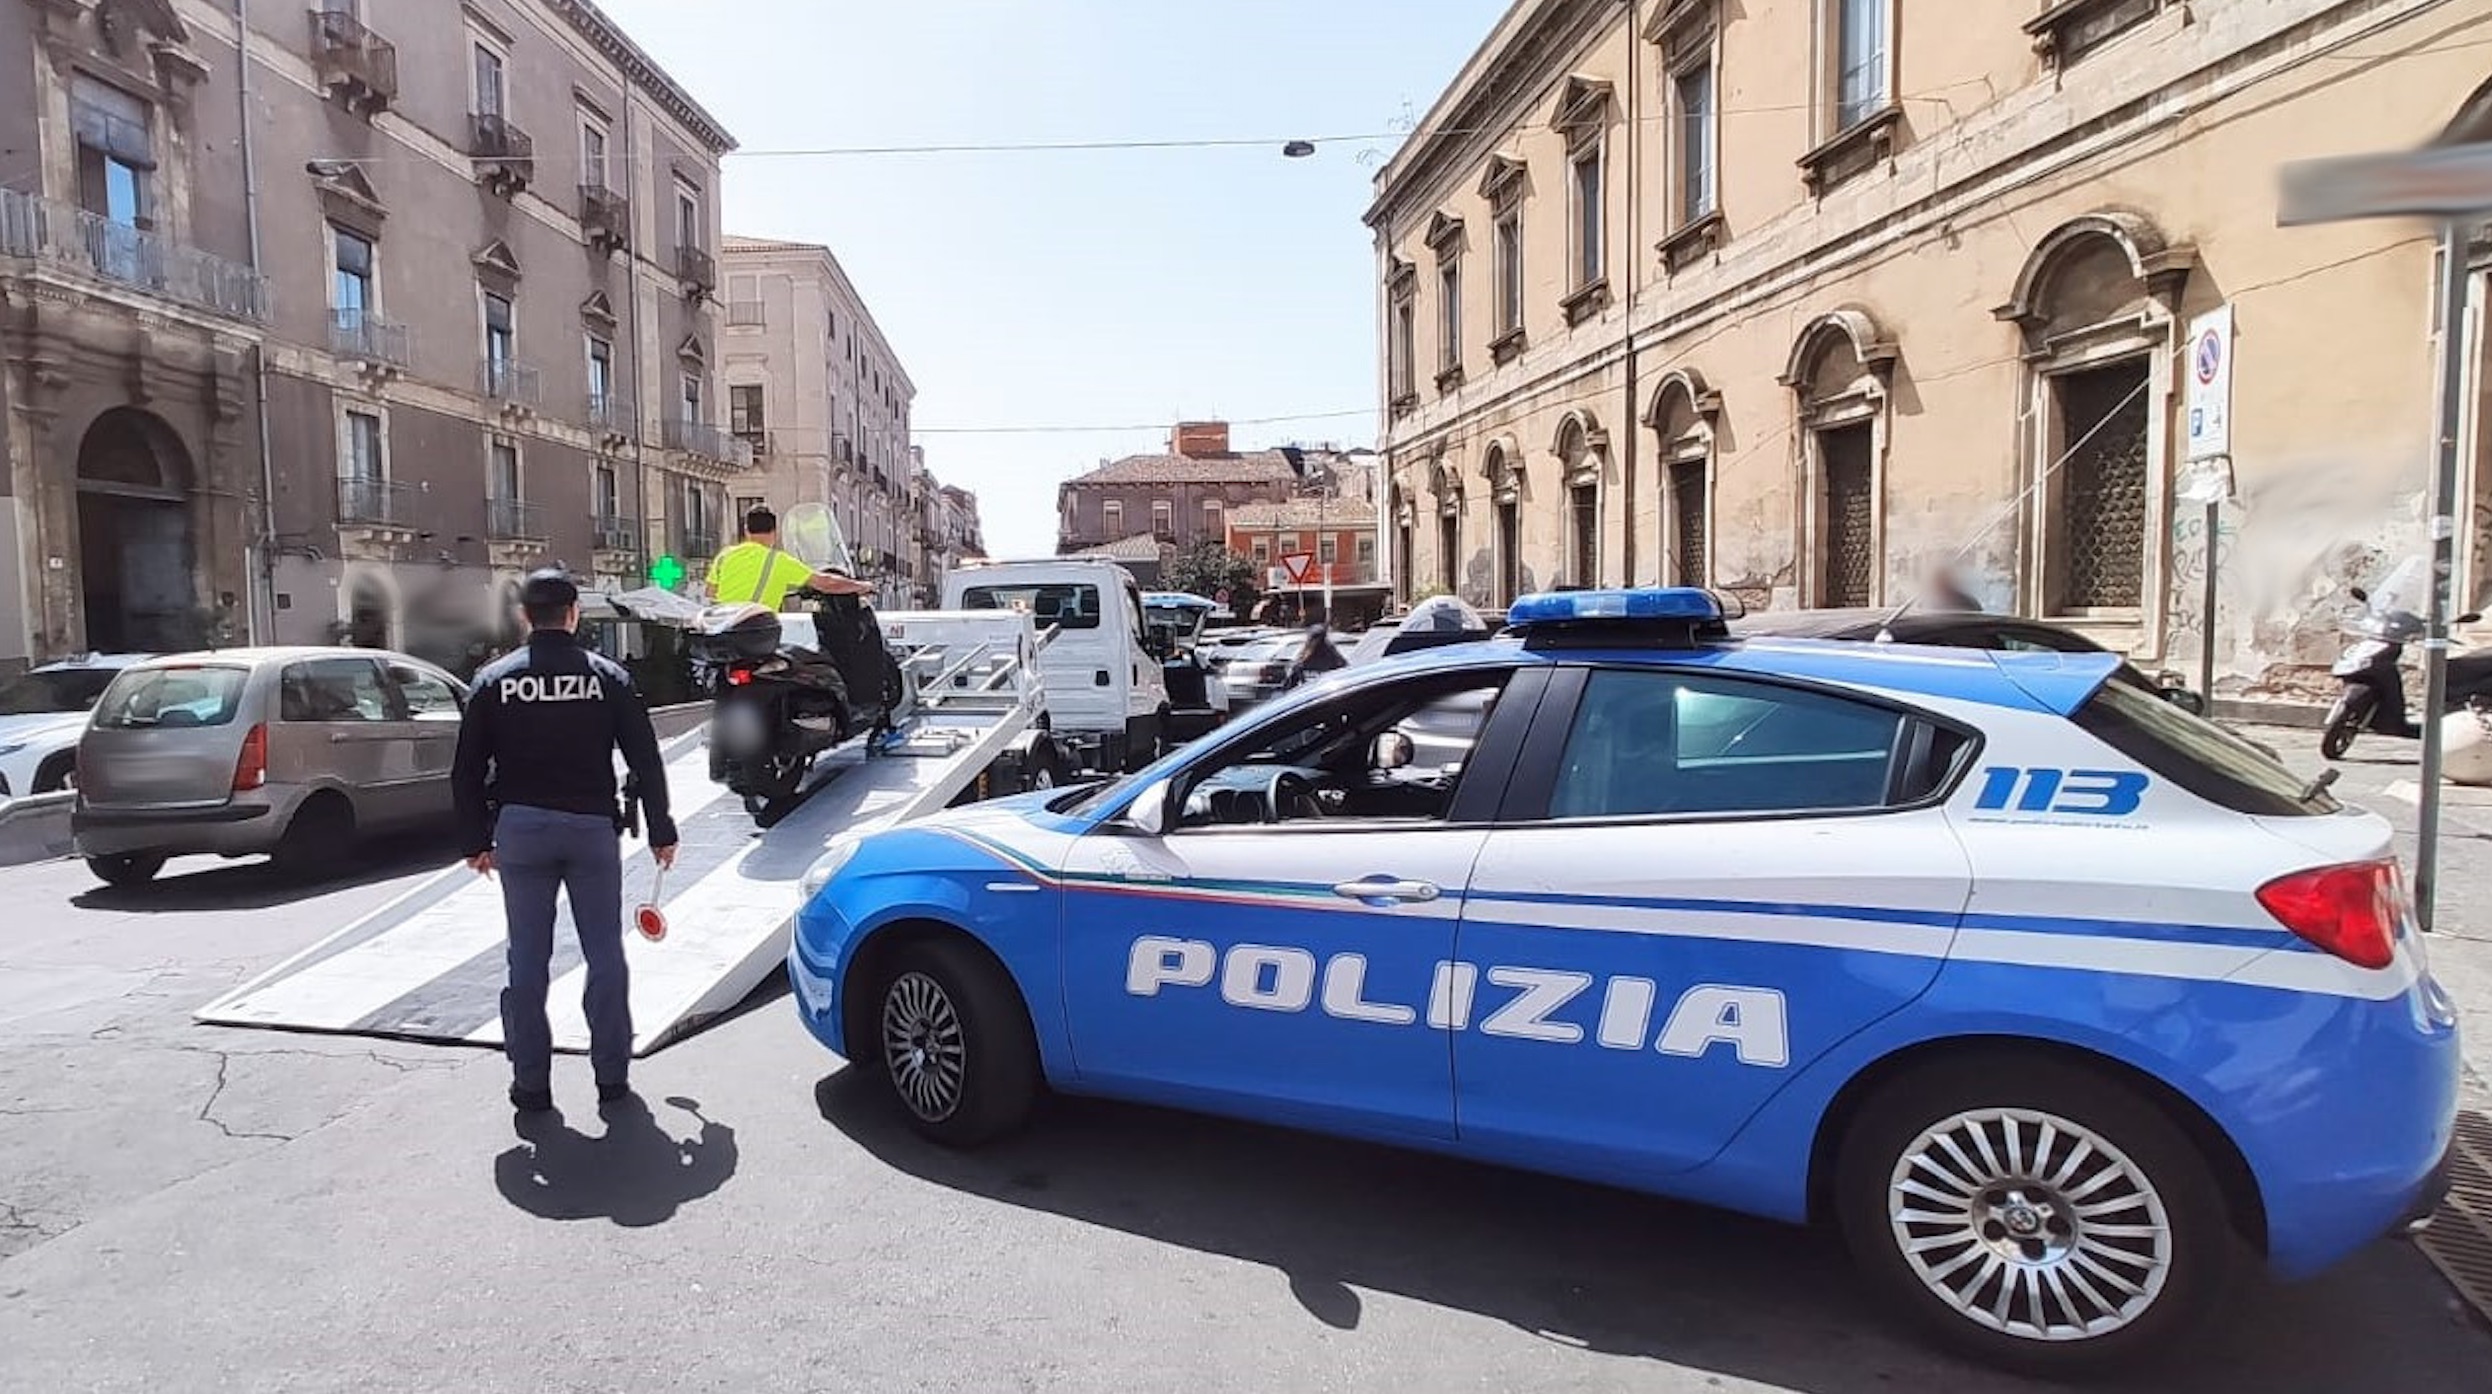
(1149, 810)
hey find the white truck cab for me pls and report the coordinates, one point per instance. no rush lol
(1107, 700)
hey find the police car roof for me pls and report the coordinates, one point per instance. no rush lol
(1685, 627)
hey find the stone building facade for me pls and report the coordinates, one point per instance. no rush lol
(819, 396)
(340, 341)
(1812, 299)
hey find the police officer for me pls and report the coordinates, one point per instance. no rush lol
(534, 783)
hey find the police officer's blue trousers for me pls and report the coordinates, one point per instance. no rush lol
(540, 852)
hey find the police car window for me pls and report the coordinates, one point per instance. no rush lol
(1065, 607)
(1650, 743)
(2198, 755)
(1390, 756)
(332, 690)
(427, 698)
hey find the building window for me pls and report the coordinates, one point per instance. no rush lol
(501, 338)
(1449, 546)
(351, 284)
(1589, 211)
(503, 481)
(1509, 550)
(1112, 519)
(689, 399)
(690, 224)
(1847, 509)
(1509, 248)
(1287, 543)
(366, 460)
(593, 152)
(1401, 349)
(1863, 56)
(1583, 504)
(492, 82)
(1327, 549)
(745, 412)
(1449, 315)
(601, 379)
(116, 157)
(1263, 552)
(1212, 520)
(1163, 518)
(1686, 565)
(1366, 551)
(1692, 143)
(607, 495)
(2100, 491)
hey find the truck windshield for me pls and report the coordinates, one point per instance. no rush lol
(1063, 606)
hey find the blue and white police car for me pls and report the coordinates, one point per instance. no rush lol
(2064, 1005)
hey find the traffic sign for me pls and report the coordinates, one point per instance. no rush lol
(2450, 181)
(666, 573)
(1298, 565)
(2210, 384)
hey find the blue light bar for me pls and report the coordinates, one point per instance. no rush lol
(1668, 605)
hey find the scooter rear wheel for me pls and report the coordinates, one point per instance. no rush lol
(2345, 721)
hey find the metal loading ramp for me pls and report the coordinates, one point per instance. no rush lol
(429, 966)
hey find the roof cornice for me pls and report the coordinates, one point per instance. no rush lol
(643, 71)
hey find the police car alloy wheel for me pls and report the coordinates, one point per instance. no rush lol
(2033, 1212)
(956, 1043)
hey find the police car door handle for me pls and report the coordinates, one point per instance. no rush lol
(1385, 889)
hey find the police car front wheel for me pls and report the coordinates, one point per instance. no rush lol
(2034, 1213)
(956, 1044)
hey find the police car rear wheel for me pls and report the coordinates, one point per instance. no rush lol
(2034, 1213)
(957, 1046)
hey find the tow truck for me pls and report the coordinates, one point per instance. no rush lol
(429, 965)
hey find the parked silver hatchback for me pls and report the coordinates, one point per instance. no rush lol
(296, 752)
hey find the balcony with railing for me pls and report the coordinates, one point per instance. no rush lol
(505, 155)
(355, 65)
(369, 339)
(511, 382)
(89, 244)
(612, 414)
(514, 520)
(613, 533)
(707, 442)
(605, 217)
(697, 269)
(375, 503)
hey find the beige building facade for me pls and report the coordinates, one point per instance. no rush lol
(1811, 300)
(341, 338)
(819, 396)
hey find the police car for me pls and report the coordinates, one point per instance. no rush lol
(2064, 1005)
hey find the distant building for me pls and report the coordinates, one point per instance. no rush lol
(818, 396)
(1144, 509)
(1339, 533)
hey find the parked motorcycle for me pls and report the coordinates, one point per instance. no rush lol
(780, 696)
(2371, 692)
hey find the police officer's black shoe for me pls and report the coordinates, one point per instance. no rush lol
(526, 1100)
(613, 1093)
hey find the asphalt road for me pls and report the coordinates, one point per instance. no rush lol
(196, 1208)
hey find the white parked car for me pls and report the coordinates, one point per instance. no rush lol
(41, 716)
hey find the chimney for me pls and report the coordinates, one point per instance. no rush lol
(1199, 440)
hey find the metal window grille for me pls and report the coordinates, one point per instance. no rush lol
(2103, 489)
(1849, 556)
(1585, 505)
(1688, 523)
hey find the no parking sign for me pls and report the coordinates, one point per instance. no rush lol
(2210, 384)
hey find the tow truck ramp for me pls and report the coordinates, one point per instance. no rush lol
(429, 965)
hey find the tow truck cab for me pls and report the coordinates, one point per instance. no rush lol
(1107, 700)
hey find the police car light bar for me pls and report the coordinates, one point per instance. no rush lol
(1670, 606)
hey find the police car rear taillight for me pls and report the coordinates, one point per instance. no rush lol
(2351, 911)
(251, 770)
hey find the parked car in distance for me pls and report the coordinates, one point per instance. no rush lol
(41, 716)
(1261, 668)
(1432, 623)
(1198, 701)
(294, 752)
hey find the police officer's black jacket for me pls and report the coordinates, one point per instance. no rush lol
(541, 730)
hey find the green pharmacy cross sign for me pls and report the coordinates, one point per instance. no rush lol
(667, 572)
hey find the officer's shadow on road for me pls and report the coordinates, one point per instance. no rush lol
(636, 1173)
(1593, 1268)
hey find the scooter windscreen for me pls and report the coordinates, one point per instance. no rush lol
(2402, 589)
(811, 534)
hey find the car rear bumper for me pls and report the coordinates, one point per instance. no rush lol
(230, 829)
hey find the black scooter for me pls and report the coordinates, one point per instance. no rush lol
(2371, 693)
(777, 705)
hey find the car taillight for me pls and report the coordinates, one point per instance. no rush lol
(2351, 911)
(251, 771)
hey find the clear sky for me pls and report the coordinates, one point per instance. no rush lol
(1089, 288)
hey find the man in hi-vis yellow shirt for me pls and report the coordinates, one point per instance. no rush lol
(756, 572)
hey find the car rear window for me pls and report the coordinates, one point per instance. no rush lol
(150, 698)
(2199, 755)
